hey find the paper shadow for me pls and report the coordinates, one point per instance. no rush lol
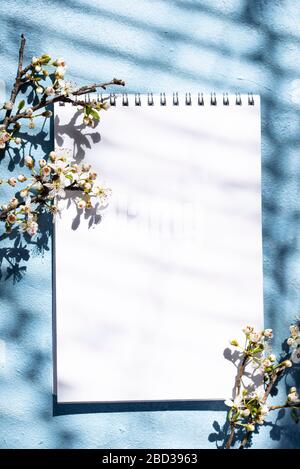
(71, 408)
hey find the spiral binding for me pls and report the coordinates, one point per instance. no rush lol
(162, 99)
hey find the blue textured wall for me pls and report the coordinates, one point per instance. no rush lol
(158, 45)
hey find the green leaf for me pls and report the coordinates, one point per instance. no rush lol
(95, 114)
(88, 110)
(21, 104)
(45, 58)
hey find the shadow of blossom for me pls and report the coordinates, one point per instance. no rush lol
(221, 435)
(12, 258)
(73, 130)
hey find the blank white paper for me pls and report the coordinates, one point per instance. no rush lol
(148, 298)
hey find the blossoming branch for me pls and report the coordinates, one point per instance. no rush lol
(54, 174)
(248, 407)
(48, 183)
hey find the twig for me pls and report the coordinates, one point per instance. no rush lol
(11, 119)
(92, 88)
(17, 84)
(231, 437)
(65, 99)
(269, 388)
(285, 406)
(238, 383)
(36, 199)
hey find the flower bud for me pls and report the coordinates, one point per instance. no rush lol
(37, 68)
(61, 62)
(287, 363)
(93, 175)
(268, 333)
(87, 186)
(29, 111)
(24, 193)
(234, 342)
(86, 167)
(18, 140)
(39, 89)
(250, 427)
(248, 329)
(105, 105)
(13, 202)
(60, 72)
(8, 105)
(34, 60)
(294, 330)
(272, 357)
(87, 120)
(31, 124)
(52, 156)
(22, 178)
(47, 114)
(11, 218)
(46, 170)
(81, 204)
(42, 163)
(12, 182)
(29, 162)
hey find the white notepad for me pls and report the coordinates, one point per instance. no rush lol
(148, 299)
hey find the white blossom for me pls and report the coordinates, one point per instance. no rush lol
(8, 105)
(49, 90)
(255, 337)
(30, 226)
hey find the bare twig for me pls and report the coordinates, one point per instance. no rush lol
(231, 437)
(18, 82)
(285, 406)
(92, 88)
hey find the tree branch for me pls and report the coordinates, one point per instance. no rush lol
(269, 388)
(17, 84)
(37, 199)
(231, 437)
(19, 81)
(66, 99)
(238, 383)
(285, 406)
(92, 88)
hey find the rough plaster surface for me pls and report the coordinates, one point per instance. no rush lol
(157, 45)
